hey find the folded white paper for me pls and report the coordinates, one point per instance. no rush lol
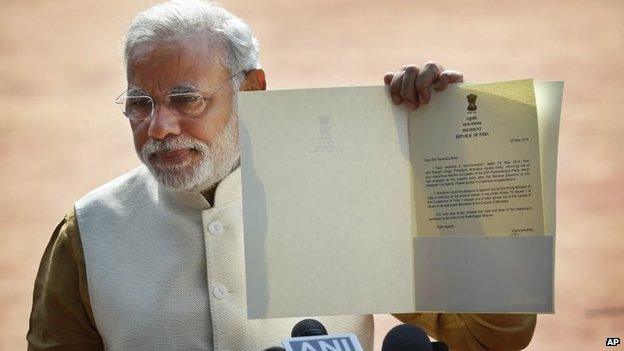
(353, 205)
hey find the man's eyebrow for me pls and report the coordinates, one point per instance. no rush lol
(184, 88)
(136, 92)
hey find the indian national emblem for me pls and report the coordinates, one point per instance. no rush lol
(324, 125)
(472, 99)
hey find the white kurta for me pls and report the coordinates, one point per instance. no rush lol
(165, 270)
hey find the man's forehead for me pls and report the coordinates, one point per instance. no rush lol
(181, 64)
(195, 43)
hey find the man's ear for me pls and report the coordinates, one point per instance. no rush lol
(254, 80)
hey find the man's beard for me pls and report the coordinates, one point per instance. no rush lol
(216, 160)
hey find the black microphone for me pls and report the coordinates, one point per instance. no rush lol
(310, 334)
(308, 327)
(407, 337)
(439, 346)
(275, 348)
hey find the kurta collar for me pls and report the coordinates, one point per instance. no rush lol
(229, 189)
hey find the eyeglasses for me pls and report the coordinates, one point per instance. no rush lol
(187, 105)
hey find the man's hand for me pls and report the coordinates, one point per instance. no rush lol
(412, 83)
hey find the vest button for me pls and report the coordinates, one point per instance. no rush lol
(216, 228)
(220, 292)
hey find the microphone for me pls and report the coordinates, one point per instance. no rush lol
(308, 327)
(407, 337)
(311, 335)
(275, 348)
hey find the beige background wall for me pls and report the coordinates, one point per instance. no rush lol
(61, 135)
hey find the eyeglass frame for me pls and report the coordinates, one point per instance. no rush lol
(167, 99)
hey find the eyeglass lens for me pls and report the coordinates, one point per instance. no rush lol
(184, 105)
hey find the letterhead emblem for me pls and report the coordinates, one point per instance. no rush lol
(324, 124)
(472, 102)
(325, 142)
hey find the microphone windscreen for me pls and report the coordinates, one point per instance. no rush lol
(308, 327)
(275, 348)
(406, 337)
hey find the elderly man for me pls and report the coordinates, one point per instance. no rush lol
(153, 260)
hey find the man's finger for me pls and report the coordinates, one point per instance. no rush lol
(448, 77)
(427, 77)
(442, 83)
(395, 87)
(408, 91)
(388, 78)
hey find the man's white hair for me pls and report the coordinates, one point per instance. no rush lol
(177, 18)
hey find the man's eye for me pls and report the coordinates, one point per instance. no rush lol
(190, 105)
(184, 99)
(138, 106)
(137, 102)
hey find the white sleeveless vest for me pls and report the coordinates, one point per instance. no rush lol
(165, 270)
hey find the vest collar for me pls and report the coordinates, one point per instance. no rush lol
(228, 190)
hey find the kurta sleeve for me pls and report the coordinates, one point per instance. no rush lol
(472, 331)
(61, 316)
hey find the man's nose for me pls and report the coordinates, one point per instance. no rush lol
(163, 122)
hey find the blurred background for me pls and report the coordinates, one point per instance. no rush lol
(61, 134)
